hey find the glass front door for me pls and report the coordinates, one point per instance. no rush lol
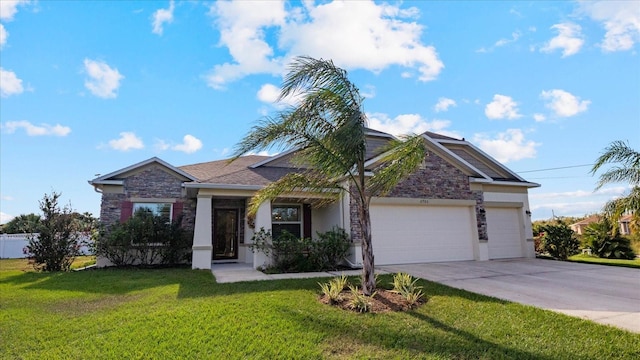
(225, 236)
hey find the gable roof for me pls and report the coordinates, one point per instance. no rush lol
(116, 177)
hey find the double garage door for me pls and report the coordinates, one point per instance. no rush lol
(415, 234)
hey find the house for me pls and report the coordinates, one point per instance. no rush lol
(581, 225)
(461, 204)
(625, 224)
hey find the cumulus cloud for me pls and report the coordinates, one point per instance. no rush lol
(127, 141)
(444, 104)
(408, 124)
(621, 20)
(379, 36)
(103, 81)
(10, 84)
(569, 39)
(37, 130)
(3, 36)
(564, 104)
(539, 117)
(5, 218)
(502, 42)
(502, 107)
(190, 144)
(269, 93)
(8, 8)
(507, 146)
(162, 16)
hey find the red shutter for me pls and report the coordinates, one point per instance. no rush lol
(126, 210)
(306, 220)
(177, 210)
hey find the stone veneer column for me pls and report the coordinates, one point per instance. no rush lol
(263, 220)
(202, 236)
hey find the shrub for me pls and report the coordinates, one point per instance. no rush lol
(329, 248)
(144, 239)
(605, 242)
(559, 240)
(405, 285)
(333, 289)
(56, 245)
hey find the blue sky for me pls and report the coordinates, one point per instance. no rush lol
(91, 87)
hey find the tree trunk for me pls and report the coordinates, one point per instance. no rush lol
(368, 268)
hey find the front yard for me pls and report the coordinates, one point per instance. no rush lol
(182, 313)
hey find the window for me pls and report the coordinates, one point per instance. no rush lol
(157, 209)
(286, 217)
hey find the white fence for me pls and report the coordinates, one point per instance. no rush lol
(12, 245)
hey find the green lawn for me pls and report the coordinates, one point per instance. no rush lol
(185, 314)
(583, 258)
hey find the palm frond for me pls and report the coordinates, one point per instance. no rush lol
(629, 160)
(615, 208)
(402, 158)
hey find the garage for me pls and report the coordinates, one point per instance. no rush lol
(415, 234)
(505, 232)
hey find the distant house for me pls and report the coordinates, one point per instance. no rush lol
(625, 222)
(580, 226)
(461, 204)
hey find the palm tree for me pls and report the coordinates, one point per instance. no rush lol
(327, 129)
(626, 170)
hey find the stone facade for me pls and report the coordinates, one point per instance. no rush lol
(150, 183)
(435, 179)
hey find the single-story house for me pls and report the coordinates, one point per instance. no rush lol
(580, 226)
(461, 204)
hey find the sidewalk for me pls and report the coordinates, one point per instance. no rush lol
(236, 272)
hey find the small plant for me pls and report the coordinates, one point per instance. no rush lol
(559, 241)
(333, 289)
(606, 243)
(360, 302)
(405, 285)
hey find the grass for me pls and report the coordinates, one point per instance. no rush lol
(592, 259)
(182, 313)
(23, 264)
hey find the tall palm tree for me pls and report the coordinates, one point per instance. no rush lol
(627, 169)
(327, 129)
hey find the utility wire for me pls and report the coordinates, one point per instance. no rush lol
(556, 168)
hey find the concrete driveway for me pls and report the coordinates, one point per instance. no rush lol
(605, 294)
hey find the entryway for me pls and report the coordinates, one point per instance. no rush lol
(225, 234)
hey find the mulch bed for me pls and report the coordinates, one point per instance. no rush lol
(383, 301)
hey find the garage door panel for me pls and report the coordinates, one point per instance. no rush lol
(413, 234)
(504, 230)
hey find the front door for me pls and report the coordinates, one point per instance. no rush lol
(225, 235)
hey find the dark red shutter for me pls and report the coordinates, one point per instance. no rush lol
(177, 210)
(126, 210)
(306, 220)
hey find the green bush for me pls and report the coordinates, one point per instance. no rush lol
(57, 242)
(145, 239)
(606, 243)
(292, 254)
(559, 241)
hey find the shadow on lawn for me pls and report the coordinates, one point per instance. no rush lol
(429, 337)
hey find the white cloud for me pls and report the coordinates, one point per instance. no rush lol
(502, 107)
(507, 146)
(379, 36)
(8, 8)
(6, 198)
(502, 42)
(621, 20)
(444, 104)
(162, 16)
(269, 94)
(408, 124)
(539, 117)
(5, 218)
(189, 145)
(161, 145)
(368, 92)
(10, 84)
(563, 103)
(3, 36)
(126, 142)
(615, 191)
(33, 130)
(103, 81)
(569, 39)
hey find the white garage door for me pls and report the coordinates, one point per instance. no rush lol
(413, 234)
(503, 228)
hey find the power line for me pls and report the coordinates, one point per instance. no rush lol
(556, 168)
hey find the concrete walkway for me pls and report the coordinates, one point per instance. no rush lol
(604, 294)
(236, 272)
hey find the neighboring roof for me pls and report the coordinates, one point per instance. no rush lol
(591, 219)
(626, 218)
(115, 178)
